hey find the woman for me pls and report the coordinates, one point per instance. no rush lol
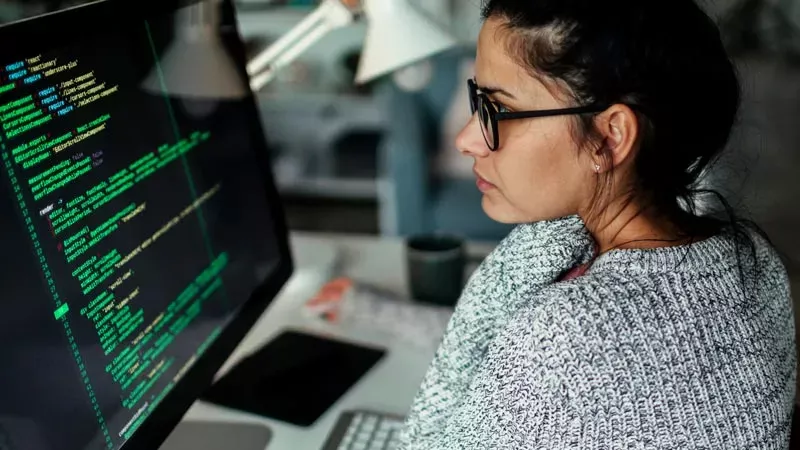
(614, 316)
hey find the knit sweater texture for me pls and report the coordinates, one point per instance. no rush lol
(666, 348)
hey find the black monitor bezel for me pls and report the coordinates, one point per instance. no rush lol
(53, 30)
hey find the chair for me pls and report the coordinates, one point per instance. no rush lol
(413, 197)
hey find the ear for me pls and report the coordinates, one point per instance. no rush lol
(619, 129)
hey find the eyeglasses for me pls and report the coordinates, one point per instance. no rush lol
(489, 116)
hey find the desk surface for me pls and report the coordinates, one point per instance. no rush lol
(389, 387)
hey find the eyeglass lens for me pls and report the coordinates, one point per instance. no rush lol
(487, 124)
(478, 103)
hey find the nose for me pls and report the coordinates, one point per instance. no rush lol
(470, 141)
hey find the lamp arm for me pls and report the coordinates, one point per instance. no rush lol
(329, 15)
(284, 59)
(263, 59)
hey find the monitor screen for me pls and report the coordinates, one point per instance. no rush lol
(136, 214)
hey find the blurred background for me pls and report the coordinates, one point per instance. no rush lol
(378, 159)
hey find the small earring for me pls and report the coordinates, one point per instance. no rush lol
(597, 168)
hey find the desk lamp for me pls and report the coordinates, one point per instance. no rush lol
(397, 35)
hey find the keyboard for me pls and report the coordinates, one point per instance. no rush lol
(365, 430)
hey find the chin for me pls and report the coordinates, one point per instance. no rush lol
(501, 211)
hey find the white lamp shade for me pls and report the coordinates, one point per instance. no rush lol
(398, 35)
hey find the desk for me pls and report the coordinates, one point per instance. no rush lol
(389, 387)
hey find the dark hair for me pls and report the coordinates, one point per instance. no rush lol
(665, 59)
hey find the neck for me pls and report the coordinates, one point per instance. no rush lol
(630, 224)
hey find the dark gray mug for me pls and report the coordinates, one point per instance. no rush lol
(436, 266)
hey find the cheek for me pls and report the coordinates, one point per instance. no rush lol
(538, 172)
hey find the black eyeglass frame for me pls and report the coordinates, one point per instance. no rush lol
(478, 100)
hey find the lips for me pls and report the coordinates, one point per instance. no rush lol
(483, 184)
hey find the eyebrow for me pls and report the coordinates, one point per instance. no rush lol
(495, 90)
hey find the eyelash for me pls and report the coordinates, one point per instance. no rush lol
(500, 107)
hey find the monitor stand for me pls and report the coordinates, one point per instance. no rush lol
(197, 435)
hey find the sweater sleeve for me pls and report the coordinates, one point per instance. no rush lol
(518, 398)
(537, 253)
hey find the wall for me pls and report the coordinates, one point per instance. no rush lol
(759, 171)
(461, 17)
(466, 22)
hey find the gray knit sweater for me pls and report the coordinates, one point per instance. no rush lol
(639, 353)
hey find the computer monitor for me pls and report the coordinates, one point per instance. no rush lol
(141, 229)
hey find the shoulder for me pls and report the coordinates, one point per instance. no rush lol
(613, 309)
(654, 328)
(585, 295)
(572, 312)
(769, 266)
(598, 323)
